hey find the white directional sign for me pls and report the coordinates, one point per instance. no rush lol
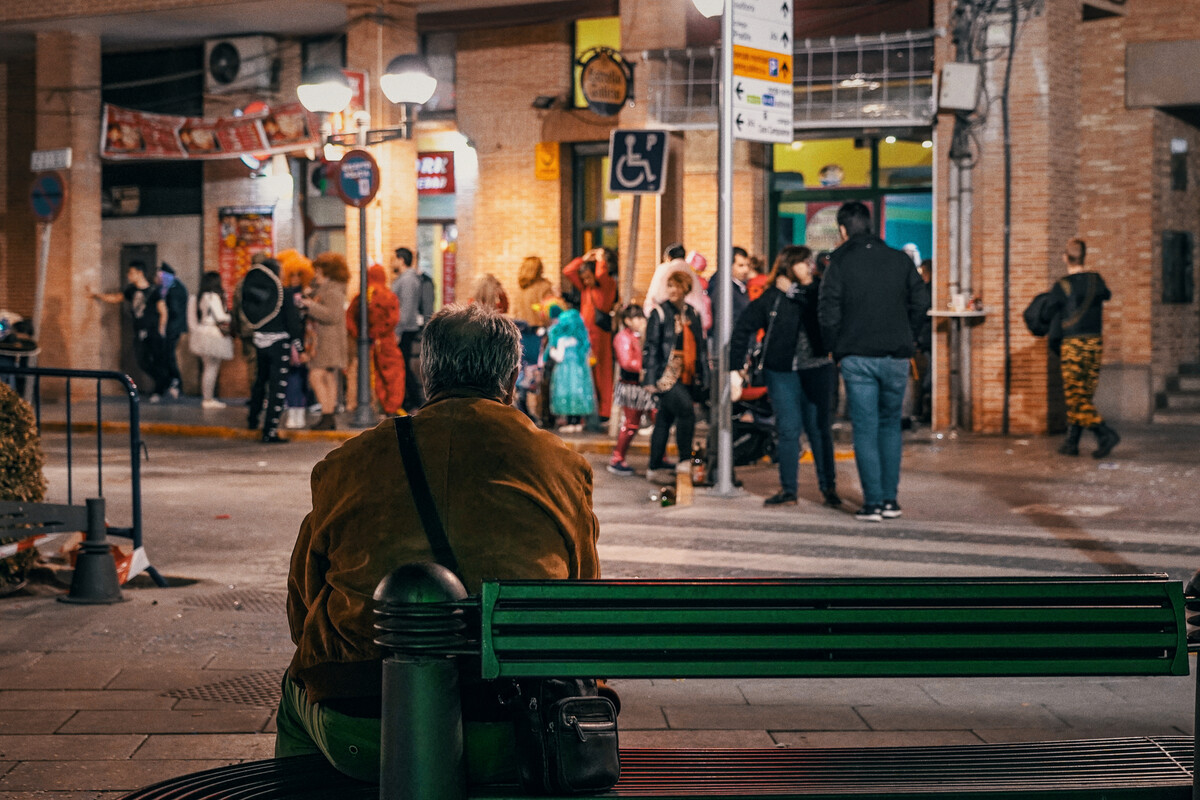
(762, 70)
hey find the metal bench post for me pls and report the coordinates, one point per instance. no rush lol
(420, 626)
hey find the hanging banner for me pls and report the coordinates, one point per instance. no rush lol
(141, 136)
(245, 231)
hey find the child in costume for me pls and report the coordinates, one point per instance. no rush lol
(571, 390)
(634, 399)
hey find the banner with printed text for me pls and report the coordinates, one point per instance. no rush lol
(130, 135)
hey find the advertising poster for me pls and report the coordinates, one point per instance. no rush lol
(244, 231)
(141, 136)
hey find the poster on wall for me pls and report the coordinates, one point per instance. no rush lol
(130, 135)
(244, 231)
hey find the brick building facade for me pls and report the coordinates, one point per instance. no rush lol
(1083, 164)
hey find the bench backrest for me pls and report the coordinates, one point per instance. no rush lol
(846, 627)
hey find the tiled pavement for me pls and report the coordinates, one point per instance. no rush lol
(96, 701)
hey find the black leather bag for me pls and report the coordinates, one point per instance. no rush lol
(566, 735)
(565, 731)
(604, 320)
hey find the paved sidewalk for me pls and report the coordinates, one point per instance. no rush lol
(99, 700)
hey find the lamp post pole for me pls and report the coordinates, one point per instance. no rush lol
(364, 411)
(724, 483)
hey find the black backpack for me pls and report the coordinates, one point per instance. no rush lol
(1037, 318)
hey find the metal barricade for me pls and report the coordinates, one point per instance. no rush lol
(133, 531)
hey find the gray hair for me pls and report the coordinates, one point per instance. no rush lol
(470, 347)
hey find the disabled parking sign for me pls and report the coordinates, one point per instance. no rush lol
(637, 162)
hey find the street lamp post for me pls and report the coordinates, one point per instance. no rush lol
(724, 478)
(325, 90)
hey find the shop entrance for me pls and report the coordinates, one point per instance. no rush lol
(596, 212)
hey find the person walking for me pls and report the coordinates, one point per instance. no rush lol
(675, 369)
(414, 291)
(175, 296)
(148, 311)
(871, 305)
(326, 322)
(209, 338)
(592, 274)
(270, 310)
(1078, 300)
(799, 375)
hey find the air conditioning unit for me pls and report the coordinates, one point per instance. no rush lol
(241, 64)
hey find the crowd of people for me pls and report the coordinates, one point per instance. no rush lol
(855, 318)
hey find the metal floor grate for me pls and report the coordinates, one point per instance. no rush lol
(253, 689)
(256, 601)
(1125, 768)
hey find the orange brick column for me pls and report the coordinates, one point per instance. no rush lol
(68, 115)
(392, 215)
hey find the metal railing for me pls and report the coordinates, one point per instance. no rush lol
(35, 375)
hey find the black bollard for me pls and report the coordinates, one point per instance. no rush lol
(419, 624)
(95, 579)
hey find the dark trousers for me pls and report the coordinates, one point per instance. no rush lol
(803, 400)
(270, 385)
(170, 344)
(149, 354)
(675, 407)
(410, 348)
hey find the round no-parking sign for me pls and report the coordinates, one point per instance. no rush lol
(47, 195)
(358, 178)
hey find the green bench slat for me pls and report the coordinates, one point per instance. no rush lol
(1125, 625)
(505, 616)
(589, 641)
(654, 667)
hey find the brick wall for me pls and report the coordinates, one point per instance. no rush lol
(19, 229)
(1176, 329)
(1126, 201)
(514, 215)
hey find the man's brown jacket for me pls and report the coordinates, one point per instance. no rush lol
(515, 503)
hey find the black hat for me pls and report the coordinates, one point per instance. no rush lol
(262, 296)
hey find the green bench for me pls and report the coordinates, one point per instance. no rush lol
(828, 628)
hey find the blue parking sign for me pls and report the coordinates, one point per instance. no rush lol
(637, 162)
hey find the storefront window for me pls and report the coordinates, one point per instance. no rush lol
(597, 211)
(892, 174)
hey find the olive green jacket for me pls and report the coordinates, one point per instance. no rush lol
(515, 503)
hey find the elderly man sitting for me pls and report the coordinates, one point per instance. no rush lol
(515, 503)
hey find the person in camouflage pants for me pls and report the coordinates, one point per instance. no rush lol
(1078, 300)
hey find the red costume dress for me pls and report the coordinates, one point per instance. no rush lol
(601, 297)
(383, 314)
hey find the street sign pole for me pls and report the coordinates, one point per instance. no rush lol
(724, 484)
(39, 293)
(364, 412)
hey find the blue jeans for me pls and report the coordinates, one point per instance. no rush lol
(874, 397)
(803, 399)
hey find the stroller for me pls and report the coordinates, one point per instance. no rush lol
(753, 422)
(754, 434)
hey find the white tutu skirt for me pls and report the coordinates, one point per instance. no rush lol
(207, 341)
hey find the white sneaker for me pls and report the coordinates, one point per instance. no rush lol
(173, 392)
(155, 398)
(210, 404)
(296, 419)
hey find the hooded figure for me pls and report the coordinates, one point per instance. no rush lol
(383, 314)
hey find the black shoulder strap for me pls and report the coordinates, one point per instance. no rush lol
(419, 485)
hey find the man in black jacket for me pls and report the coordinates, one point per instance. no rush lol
(871, 307)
